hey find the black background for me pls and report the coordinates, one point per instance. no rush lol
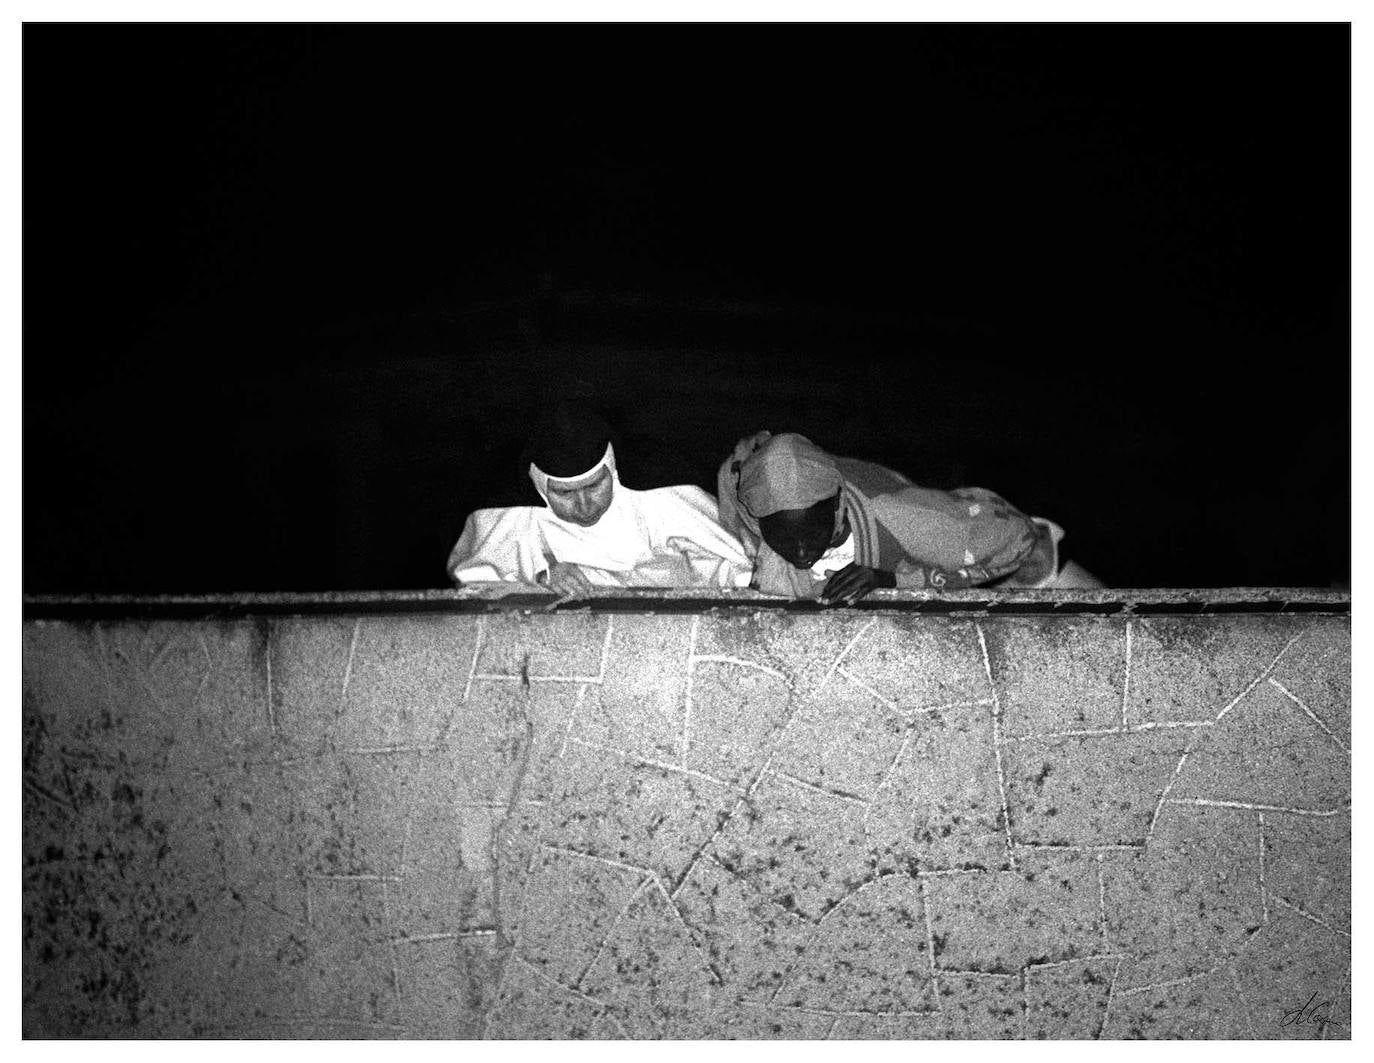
(293, 294)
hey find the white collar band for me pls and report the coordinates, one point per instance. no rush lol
(542, 479)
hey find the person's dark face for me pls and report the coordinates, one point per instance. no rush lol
(800, 536)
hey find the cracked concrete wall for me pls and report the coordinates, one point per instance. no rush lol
(749, 824)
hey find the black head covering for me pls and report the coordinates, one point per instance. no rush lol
(570, 440)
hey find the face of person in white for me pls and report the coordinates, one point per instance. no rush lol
(582, 501)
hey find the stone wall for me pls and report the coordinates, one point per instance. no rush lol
(743, 822)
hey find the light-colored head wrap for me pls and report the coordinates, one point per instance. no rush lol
(542, 479)
(787, 472)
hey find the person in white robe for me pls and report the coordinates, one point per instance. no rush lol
(593, 532)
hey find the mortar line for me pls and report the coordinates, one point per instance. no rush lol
(1102, 902)
(271, 710)
(1025, 1003)
(348, 670)
(598, 859)
(1126, 683)
(691, 933)
(997, 745)
(541, 976)
(534, 680)
(935, 872)
(209, 668)
(1207, 802)
(882, 699)
(839, 794)
(1314, 717)
(476, 653)
(651, 762)
(38, 790)
(1057, 847)
(309, 912)
(816, 930)
(755, 890)
(610, 931)
(1111, 993)
(687, 701)
(739, 662)
(1280, 899)
(692, 863)
(572, 716)
(980, 974)
(1108, 732)
(1261, 677)
(930, 942)
(606, 650)
(391, 948)
(365, 877)
(848, 646)
(1164, 794)
(1101, 957)
(606, 1013)
(381, 751)
(802, 1009)
(456, 935)
(1264, 890)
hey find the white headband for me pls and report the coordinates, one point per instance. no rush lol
(542, 479)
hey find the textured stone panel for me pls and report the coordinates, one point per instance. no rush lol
(447, 985)
(1097, 790)
(571, 906)
(653, 977)
(531, 1008)
(1190, 668)
(750, 940)
(841, 739)
(1189, 901)
(807, 653)
(972, 1007)
(1266, 751)
(1307, 864)
(406, 680)
(1055, 675)
(871, 952)
(309, 659)
(635, 813)
(1317, 672)
(552, 838)
(736, 711)
(940, 803)
(1068, 1001)
(540, 647)
(1046, 911)
(918, 665)
(802, 849)
(350, 970)
(1293, 988)
(641, 704)
(1206, 1007)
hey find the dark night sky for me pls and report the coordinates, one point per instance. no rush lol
(292, 293)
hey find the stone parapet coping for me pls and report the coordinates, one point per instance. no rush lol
(518, 598)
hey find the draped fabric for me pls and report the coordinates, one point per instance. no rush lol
(929, 539)
(665, 537)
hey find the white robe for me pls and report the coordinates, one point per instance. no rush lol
(665, 537)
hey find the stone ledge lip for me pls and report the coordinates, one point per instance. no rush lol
(502, 598)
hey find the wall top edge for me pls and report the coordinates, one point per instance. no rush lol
(1119, 601)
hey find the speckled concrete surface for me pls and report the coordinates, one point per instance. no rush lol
(737, 823)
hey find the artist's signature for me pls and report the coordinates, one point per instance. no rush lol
(1317, 1013)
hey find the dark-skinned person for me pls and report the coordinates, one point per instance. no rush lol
(830, 528)
(593, 532)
